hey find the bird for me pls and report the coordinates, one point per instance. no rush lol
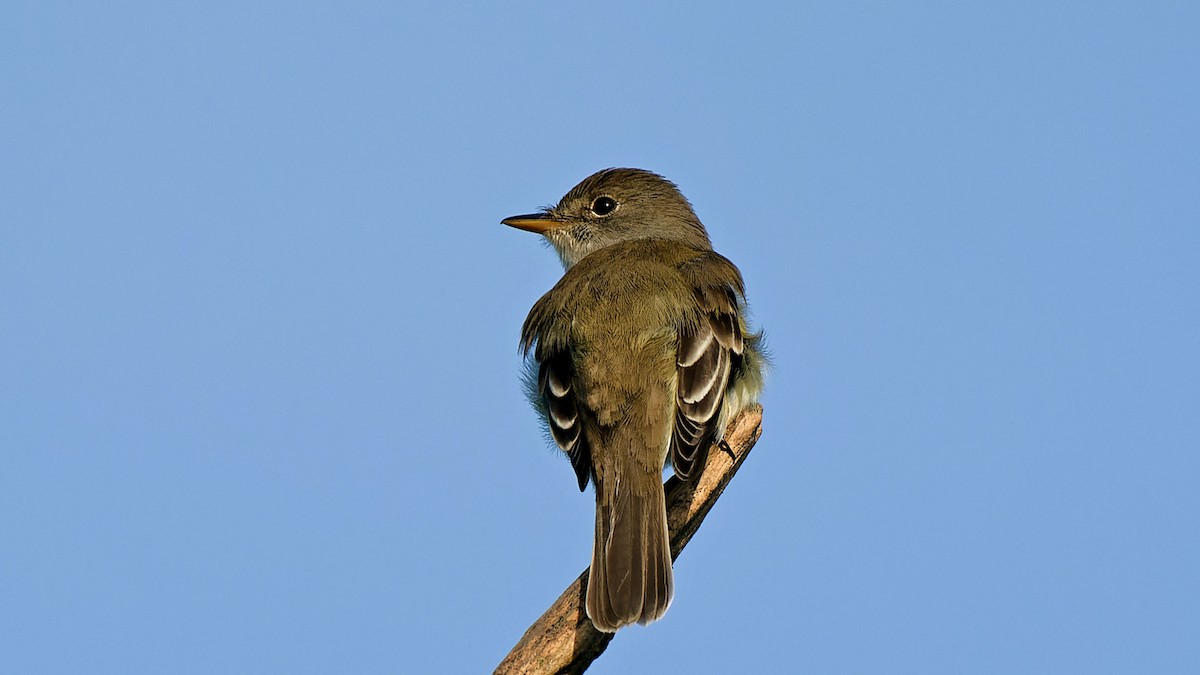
(636, 360)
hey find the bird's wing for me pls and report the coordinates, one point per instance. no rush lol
(706, 353)
(552, 392)
(562, 413)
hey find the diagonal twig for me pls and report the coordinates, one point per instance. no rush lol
(563, 640)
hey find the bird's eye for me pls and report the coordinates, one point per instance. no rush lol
(604, 206)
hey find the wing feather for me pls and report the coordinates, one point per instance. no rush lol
(706, 353)
(562, 413)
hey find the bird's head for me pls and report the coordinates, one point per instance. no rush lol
(613, 206)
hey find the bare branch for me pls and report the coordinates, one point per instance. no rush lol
(563, 640)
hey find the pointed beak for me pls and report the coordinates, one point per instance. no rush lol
(534, 222)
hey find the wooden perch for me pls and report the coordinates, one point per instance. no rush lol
(563, 640)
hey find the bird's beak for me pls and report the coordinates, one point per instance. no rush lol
(534, 222)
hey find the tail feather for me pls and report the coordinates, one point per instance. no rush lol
(631, 579)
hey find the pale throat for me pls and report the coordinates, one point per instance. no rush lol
(569, 249)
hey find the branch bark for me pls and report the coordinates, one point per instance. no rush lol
(563, 640)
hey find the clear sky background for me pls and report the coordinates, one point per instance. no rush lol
(260, 406)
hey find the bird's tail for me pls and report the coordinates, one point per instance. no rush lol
(631, 579)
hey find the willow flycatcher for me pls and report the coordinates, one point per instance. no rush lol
(641, 354)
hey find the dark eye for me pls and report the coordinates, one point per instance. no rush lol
(604, 206)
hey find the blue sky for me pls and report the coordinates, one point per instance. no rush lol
(260, 406)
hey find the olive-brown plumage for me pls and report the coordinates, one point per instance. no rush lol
(642, 353)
